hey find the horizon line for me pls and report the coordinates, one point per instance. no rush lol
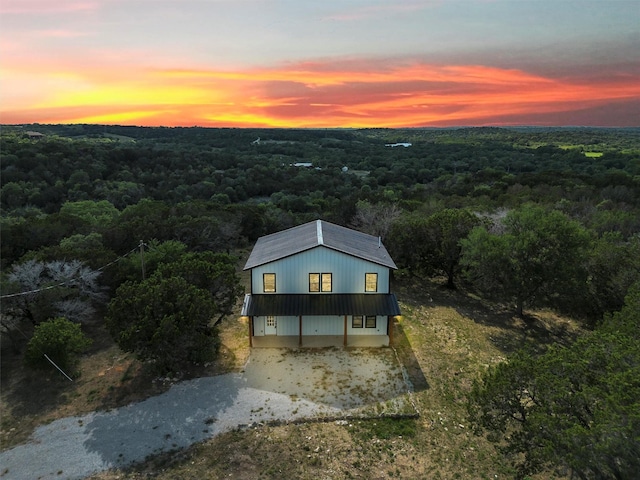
(235, 127)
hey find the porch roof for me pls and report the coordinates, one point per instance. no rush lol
(320, 304)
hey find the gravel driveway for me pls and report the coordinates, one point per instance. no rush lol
(276, 385)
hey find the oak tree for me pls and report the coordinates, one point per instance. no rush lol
(539, 256)
(165, 321)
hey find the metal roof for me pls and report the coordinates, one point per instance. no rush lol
(320, 304)
(318, 233)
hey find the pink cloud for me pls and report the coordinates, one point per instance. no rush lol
(60, 33)
(46, 6)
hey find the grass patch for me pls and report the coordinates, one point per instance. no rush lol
(585, 150)
(386, 428)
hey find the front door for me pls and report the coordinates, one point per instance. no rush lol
(271, 326)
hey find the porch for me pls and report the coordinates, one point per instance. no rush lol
(319, 341)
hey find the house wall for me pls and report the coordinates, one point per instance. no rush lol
(381, 327)
(318, 325)
(323, 325)
(285, 326)
(348, 272)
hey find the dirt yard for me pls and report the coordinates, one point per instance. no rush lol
(335, 377)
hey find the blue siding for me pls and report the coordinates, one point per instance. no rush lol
(284, 326)
(348, 273)
(258, 326)
(319, 325)
(329, 325)
(288, 326)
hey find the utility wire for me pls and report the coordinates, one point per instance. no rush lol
(29, 292)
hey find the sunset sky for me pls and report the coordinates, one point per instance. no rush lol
(320, 63)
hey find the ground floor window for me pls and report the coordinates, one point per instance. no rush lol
(356, 321)
(371, 321)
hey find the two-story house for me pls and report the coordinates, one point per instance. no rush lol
(320, 283)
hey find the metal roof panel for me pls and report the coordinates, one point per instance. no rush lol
(321, 304)
(309, 235)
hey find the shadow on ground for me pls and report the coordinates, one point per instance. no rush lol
(20, 382)
(417, 381)
(165, 422)
(534, 331)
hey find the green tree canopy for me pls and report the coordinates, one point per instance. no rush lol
(575, 407)
(59, 339)
(166, 321)
(154, 254)
(613, 266)
(95, 213)
(432, 245)
(406, 250)
(213, 272)
(445, 231)
(539, 256)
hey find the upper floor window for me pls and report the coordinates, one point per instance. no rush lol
(320, 282)
(326, 282)
(314, 282)
(370, 282)
(269, 282)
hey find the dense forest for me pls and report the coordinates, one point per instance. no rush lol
(528, 216)
(92, 192)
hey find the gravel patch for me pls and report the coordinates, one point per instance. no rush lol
(277, 385)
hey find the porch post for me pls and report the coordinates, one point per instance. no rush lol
(299, 330)
(250, 332)
(345, 330)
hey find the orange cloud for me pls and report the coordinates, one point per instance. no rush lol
(354, 93)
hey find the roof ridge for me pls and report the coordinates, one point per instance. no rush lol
(319, 232)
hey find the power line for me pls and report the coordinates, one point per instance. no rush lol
(117, 259)
(49, 287)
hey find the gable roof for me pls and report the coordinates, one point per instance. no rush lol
(314, 234)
